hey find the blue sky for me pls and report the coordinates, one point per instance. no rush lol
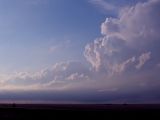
(30, 28)
(103, 48)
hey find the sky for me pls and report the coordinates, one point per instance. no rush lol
(80, 51)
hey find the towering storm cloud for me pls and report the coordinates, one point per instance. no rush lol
(127, 40)
(124, 59)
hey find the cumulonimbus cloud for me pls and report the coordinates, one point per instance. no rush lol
(127, 44)
(126, 38)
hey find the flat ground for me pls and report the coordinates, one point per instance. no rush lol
(78, 111)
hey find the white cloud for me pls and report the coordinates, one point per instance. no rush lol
(143, 59)
(119, 68)
(110, 26)
(103, 4)
(102, 51)
(128, 35)
(77, 76)
(56, 76)
(139, 23)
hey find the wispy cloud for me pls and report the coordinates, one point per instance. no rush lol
(104, 5)
(58, 47)
(143, 59)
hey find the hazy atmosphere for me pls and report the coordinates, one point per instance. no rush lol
(80, 51)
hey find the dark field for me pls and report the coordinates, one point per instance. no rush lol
(78, 111)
